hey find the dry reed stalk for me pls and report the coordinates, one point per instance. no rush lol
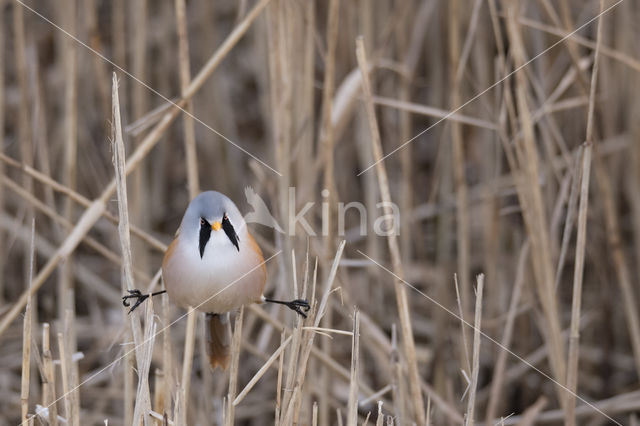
(24, 137)
(465, 344)
(279, 383)
(623, 58)
(92, 281)
(463, 245)
(530, 416)
(397, 382)
(80, 199)
(401, 295)
(192, 174)
(409, 51)
(233, 369)
(26, 335)
(71, 338)
(256, 377)
(534, 215)
(187, 361)
(434, 112)
(497, 380)
(477, 324)
(570, 215)
(314, 414)
(294, 351)
(65, 364)
(98, 206)
(380, 417)
(69, 166)
(326, 138)
(167, 356)
(49, 382)
(119, 35)
(352, 415)
(143, 396)
(291, 404)
(89, 241)
(90, 19)
(447, 407)
(280, 97)
(614, 241)
(159, 391)
(574, 337)
(144, 405)
(326, 147)
(306, 91)
(139, 182)
(185, 77)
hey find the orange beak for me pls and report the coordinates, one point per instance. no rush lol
(216, 226)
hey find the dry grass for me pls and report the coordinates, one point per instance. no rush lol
(507, 108)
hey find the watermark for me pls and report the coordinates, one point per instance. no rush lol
(383, 221)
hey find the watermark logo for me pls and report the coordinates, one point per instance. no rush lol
(385, 217)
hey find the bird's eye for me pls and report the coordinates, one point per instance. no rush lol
(202, 221)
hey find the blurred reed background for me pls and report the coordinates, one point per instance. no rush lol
(519, 203)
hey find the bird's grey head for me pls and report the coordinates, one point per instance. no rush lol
(209, 214)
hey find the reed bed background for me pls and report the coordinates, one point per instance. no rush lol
(508, 296)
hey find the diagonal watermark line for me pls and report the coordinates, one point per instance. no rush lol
(501, 346)
(506, 77)
(148, 87)
(261, 264)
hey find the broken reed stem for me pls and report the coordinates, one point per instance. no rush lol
(400, 290)
(98, 206)
(141, 405)
(469, 420)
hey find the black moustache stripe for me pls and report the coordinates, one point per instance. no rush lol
(205, 234)
(231, 233)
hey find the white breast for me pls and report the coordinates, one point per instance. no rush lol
(222, 280)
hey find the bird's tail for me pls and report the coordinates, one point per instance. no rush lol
(218, 335)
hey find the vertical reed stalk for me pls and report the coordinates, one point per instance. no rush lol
(401, 293)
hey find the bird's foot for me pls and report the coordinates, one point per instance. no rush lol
(300, 306)
(137, 294)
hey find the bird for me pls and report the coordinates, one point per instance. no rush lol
(215, 266)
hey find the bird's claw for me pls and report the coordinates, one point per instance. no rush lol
(299, 305)
(134, 294)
